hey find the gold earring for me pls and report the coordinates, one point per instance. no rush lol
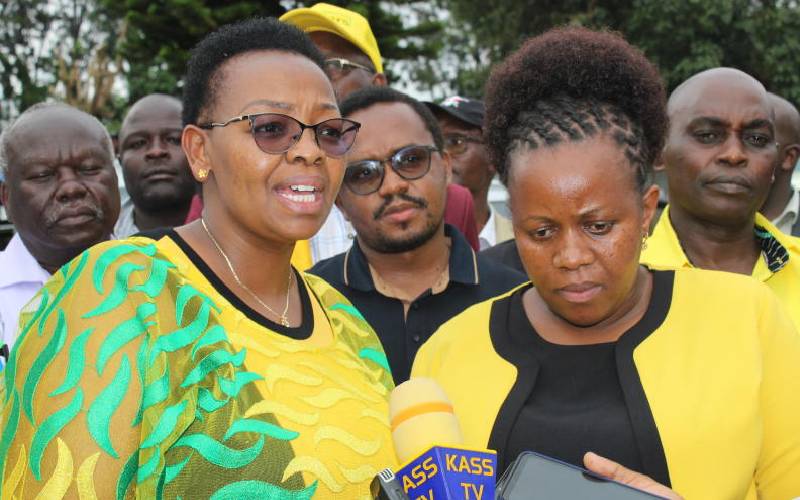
(644, 241)
(202, 174)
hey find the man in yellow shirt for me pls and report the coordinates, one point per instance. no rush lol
(720, 157)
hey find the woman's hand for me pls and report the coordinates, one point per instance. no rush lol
(614, 471)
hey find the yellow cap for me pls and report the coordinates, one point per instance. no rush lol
(347, 24)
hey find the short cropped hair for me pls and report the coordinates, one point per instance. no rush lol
(203, 78)
(370, 96)
(8, 133)
(572, 83)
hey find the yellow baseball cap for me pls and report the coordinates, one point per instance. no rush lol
(347, 24)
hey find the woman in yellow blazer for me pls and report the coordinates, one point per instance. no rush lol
(690, 377)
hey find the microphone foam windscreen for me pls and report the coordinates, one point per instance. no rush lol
(421, 415)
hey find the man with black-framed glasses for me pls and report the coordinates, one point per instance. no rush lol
(461, 121)
(407, 271)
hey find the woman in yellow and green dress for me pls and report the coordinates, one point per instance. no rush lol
(197, 363)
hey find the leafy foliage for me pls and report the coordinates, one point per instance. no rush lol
(20, 61)
(58, 48)
(682, 37)
(408, 34)
(101, 55)
(160, 35)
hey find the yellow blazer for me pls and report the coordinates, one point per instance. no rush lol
(710, 376)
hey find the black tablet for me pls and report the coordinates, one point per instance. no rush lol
(533, 476)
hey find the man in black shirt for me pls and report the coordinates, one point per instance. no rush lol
(505, 253)
(407, 272)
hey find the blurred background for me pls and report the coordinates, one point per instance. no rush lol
(102, 55)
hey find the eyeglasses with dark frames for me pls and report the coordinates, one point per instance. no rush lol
(276, 133)
(345, 65)
(456, 144)
(365, 177)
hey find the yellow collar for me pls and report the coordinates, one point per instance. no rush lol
(664, 249)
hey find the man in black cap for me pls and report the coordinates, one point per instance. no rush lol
(461, 121)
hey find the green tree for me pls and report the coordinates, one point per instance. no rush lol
(86, 57)
(22, 64)
(159, 36)
(101, 55)
(407, 32)
(681, 37)
(57, 48)
(761, 38)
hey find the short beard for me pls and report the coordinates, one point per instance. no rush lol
(155, 204)
(383, 244)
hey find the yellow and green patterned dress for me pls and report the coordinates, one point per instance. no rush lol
(138, 373)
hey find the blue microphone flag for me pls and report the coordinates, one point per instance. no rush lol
(450, 473)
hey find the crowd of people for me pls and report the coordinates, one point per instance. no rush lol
(294, 237)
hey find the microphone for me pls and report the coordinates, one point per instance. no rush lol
(427, 440)
(385, 486)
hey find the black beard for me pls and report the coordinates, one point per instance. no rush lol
(383, 244)
(154, 204)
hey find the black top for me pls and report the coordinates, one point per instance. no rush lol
(577, 404)
(517, 345)
(472, 280)
(505, 253)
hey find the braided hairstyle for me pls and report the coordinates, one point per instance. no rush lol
(570, 84)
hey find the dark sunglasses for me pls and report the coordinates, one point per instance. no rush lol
(341, 65)
(366, 176)
(456, 144)
(275, 133)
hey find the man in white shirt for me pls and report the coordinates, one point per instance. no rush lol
(461, 120)
(21, 277)
(61, 193)
(783, 203)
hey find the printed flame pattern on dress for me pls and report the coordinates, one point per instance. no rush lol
(134, 377)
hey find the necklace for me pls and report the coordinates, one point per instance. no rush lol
(283, 318)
